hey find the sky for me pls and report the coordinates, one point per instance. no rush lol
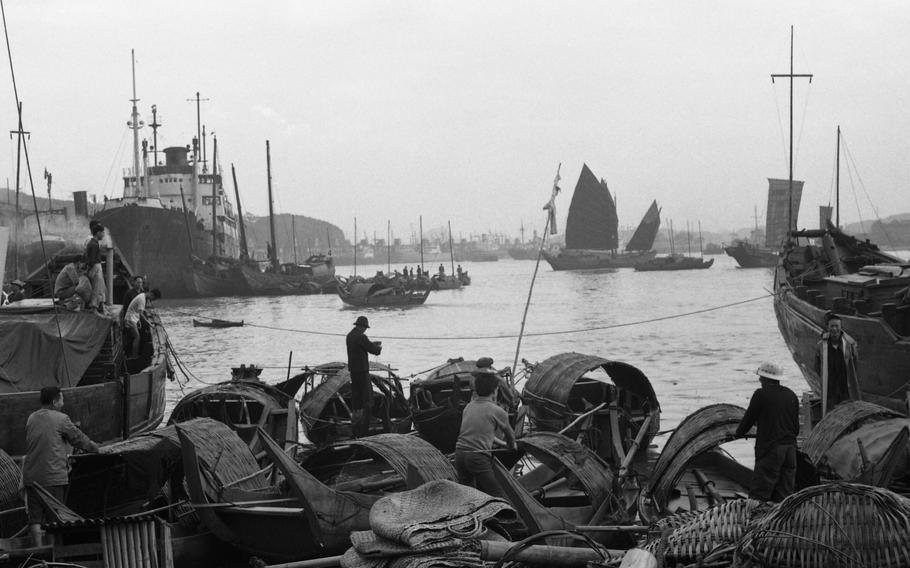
(462, 111)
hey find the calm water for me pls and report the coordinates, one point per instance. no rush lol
(692, 360)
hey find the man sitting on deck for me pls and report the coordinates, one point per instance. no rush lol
(72, 286)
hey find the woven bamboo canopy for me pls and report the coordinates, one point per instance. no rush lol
(842, 419)
(699, 432)
(410, 457)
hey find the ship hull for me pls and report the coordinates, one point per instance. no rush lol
(674, 263)
(883, 360)
(589, 259)
(752, 257)
(154, 242)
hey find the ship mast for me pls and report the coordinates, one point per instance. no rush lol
(134, 124)
(155, 126)
(268, 167)
(244, 251)
(837, 182)
(452, 249)
(214, 200)
(791, 76)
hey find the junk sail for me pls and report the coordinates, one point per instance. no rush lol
(779, 210)
(644, 236)
(592, 221)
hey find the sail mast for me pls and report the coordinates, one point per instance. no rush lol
(268, 168)
(214, 201)
(355, 246)
(294, 235)
(134, 124)
(421, 243)
(837, 182)
(452, 250)
(244, 251)
(701, 251)
(388, 245)
(791, 76)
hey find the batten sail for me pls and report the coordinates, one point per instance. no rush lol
(643, 238)
(779, 210)
(592, 221)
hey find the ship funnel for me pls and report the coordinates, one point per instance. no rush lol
(175, 156)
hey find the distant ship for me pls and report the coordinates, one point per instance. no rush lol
(752, 255)
(174, 220)
(592, 230)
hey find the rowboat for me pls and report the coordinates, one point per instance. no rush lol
(216, 323)
(378, 295)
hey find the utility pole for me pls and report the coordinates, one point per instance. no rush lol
(791, 76)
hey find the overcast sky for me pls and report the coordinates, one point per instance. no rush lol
(462, 111)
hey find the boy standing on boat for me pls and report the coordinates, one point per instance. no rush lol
(49, 435)
(774, 410)
(359, 347)
(134, 312)
(481, 420)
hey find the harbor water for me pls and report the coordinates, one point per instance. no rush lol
(698, 335)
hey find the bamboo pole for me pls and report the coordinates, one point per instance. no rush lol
(327, 562)
(582, 417)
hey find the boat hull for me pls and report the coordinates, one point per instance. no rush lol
(749, 256)
(883, 355)
(674, 263)
(154, 243)
(588, 259)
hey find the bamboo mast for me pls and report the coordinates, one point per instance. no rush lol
(268, 168)
(244, 251)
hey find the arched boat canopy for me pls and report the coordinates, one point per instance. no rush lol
(558, 452)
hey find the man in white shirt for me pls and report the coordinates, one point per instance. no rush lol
(134, 312)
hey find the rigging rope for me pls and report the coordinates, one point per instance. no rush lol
(512, 335)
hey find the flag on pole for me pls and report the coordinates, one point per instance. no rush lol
(551, 204)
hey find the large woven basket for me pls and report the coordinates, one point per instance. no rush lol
(698, 534)
(837, 524)
(9, 496)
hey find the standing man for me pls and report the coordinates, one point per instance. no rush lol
(93, 265)
(481, 421)
(359, 347)
(49, 435)
(134, 312)
(137, 288)
(774, 409)
(835, 363)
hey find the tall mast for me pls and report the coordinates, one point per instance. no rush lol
(215, 206)
(452, 249)
(791, 76)
(268, 169)
(294, 235)
(837, 181)
(134, 124)
(244, 251)
(688, 238)
(701, 252)
(355, 246)
(197, 100)
(388, 245)
(421, 243)
(155, 125)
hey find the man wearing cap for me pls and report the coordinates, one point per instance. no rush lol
(774, 410)
(359, 347)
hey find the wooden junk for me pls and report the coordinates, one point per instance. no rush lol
(608, 405)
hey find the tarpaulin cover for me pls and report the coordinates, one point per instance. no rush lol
(844, 457)
(39, 348)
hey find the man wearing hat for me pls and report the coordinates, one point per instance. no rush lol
(774, 410)
(359, 346)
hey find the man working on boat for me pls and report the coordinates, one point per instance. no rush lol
(359, 347)
(93, 266)
(774, 410)
(137, 288)
(835, 363)
(49, 435)
(481, 420)
(134, 312)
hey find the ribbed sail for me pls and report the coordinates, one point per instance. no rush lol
(592, 222)
(644, 236)
(779, 210)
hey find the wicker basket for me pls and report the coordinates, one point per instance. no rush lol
(837, 524)
(688, 536)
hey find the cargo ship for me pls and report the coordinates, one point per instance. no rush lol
(175, 224)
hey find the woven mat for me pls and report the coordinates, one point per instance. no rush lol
(435, 511)
(371, 545)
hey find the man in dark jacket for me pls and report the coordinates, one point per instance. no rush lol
(774, 410)
(359, 346)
